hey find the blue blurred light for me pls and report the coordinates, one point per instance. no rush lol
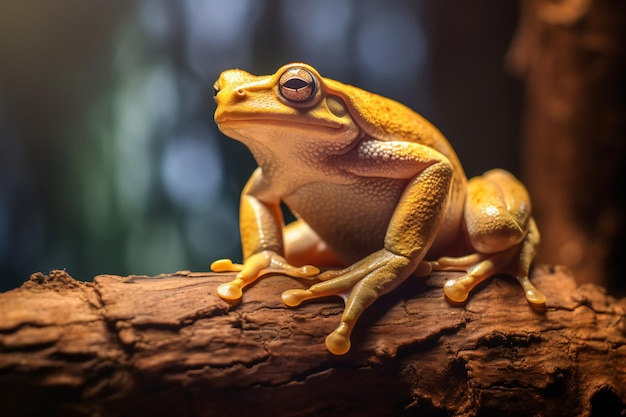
(390, 44)
(219, 31)
(191, 169)
(318, 31)
(213, 233)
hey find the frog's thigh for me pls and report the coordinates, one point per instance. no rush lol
(497, 211)
(303, 246)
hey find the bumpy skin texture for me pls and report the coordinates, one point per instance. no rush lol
(377, 190)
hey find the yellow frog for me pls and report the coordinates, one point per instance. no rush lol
(377, 190)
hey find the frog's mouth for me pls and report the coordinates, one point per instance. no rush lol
(278, 122)
(264, 130)
(336, 138)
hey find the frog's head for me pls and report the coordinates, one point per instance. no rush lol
(294, 109)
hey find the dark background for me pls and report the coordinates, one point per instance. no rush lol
(109, 158)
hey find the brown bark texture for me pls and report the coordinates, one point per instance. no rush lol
(571, 55)
(169, 346)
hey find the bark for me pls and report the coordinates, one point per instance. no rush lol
(167, 345)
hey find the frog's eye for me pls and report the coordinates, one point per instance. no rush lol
(297, 84)
(216, 89)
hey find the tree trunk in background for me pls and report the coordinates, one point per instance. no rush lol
(168, 346)
(572, 54)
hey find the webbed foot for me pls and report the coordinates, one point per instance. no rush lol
(256, 266)
(515, 260)
(359, 285)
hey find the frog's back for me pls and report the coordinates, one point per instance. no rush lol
(386, 119)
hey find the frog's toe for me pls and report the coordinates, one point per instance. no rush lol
(331, 274)
(225, 265)
(338, 342)
(306, 271)
(457, 289)
(293, 298)
(533, 295)
(230, 290)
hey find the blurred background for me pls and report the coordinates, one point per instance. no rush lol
(110, 161)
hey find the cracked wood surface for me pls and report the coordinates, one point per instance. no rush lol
(167, 345)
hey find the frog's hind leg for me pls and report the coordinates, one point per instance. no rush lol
(303, 246)
(515, 261)
(501, 230)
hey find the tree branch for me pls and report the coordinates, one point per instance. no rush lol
(167, 345)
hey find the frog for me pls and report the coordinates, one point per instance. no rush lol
(377, 192)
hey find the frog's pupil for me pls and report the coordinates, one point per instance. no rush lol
(295, 84)
(215, 91)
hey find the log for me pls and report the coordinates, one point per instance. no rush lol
(167, 345)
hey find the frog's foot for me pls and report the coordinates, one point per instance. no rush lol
(255, 267)
(359, 285)
(479, 267)
(338, 342)
(501, 230)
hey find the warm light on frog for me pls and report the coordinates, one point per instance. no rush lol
(375, 187)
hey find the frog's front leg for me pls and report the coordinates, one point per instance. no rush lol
(360, 285)
(410, 234)
(261, 224)
(501, 230)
